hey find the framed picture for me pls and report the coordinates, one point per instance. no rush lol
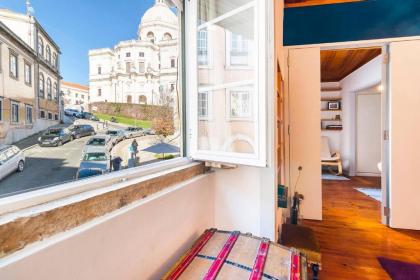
(334, 105)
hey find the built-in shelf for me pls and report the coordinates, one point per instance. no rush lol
(326, 110)
(326, 129)
(330, 89)
(331, 99)
(331, 120)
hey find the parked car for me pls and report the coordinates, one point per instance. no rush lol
(87, 115)
(117, 135)
(73, 113)
(113, 119)
(134, 132)
(11, 160)
(94, 118)
(103, 141)
(89, 172)
(149, 131)
(96, 158)
(54, 137)
(78, 131)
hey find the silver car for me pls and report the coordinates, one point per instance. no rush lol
(117, 135)
(11, 160)
(100, 141)
(95, 158)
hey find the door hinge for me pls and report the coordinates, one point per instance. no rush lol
(386, 58)
(386, 135)
(387, 211)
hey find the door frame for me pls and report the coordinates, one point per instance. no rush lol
(386, 106)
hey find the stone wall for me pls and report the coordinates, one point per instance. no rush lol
(135, 111)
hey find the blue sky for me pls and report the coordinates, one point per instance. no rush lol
(80, 25)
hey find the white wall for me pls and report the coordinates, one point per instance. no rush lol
(365, 77)
(140, 241)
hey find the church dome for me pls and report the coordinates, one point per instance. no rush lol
(159, 12)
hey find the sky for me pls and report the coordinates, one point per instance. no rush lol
(78, 26)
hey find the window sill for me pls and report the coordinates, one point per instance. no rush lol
(47, 212)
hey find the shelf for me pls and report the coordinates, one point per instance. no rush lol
(330, 89)
(325, 129)
(331, 120)
(331, 99)
(326, 110)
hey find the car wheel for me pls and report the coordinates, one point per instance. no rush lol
(60, 143)
(21, 166)
(72, 138)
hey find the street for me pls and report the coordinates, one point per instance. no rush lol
(46, 166)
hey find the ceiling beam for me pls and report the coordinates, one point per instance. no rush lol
(304, 3)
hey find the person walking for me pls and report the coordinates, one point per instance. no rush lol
(116, 163)
(135, 146)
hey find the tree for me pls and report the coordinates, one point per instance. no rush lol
(163, 126)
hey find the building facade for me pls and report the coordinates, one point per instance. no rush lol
(30, 82)
(139, 71)
(75, 96)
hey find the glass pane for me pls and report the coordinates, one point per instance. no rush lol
(227, 85)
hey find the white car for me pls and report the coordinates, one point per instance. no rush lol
(11, 160)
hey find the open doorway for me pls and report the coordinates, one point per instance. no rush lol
(352, 125)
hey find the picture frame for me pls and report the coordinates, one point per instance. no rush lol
(334, 105)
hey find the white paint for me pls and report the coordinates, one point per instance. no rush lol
(367, 76)
(305, 132)
(369, 132)
(404, 135)
(140, 241)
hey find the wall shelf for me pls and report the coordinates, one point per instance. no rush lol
(326, 129)
(332, 99)
(326, 110)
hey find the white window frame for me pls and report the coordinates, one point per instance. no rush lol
(26, 114)
(14, 103)
(262, 39)
(229, 65)
(209, 115)
(16, 64)
(1, 109)
(27, 78)
(209, 52)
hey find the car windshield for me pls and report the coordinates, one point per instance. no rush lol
(96, 142)
(113, 133)
(95, 157)
(74, 127)
(51, 132)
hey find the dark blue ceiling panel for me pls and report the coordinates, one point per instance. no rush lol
(372, 19)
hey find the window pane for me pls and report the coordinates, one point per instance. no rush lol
(116, 104)
(231, 78)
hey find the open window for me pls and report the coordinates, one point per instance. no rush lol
(236, 132)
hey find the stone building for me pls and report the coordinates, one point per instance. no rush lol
(75, 96)
(30, 77)
(139, 71)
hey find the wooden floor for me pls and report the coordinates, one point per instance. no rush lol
(351, 235)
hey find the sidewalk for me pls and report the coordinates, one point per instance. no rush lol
(28, 141)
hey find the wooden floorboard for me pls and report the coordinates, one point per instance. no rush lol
(351, 235)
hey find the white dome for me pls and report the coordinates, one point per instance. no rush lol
(159, 12)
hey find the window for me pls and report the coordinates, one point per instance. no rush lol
(203, 105)
(77, 95)
(141, 67)
(49, 89)
(48, 52)
(14, 118)
(55, 61)
(173, 63)
(99, 92)
(50, 117)
(239, 49)
(202, 47)
(142, 99)
(236, 28)
(167, 36)
(56, 93)
(41, 86)
(240, 104)
(42, 114)
(28, 114)
(128, 67)
(55, 117)
(99, 70)
(83, 97)
(129, 99)
(151, 37)
(40, 47)
(128, 54)
(13, 65)
(28, 73)
(141, 54)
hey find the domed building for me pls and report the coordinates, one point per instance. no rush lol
(139, 71)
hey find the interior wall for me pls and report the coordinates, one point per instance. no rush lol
(367, 76)
(303, 87)
(139, 241)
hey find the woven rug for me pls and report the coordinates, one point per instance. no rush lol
(400, 270)
(373, 193)
(326, 176)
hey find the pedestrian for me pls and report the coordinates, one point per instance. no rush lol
(135, 146)
(116, 163)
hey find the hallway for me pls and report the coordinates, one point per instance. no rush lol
(351, 235)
